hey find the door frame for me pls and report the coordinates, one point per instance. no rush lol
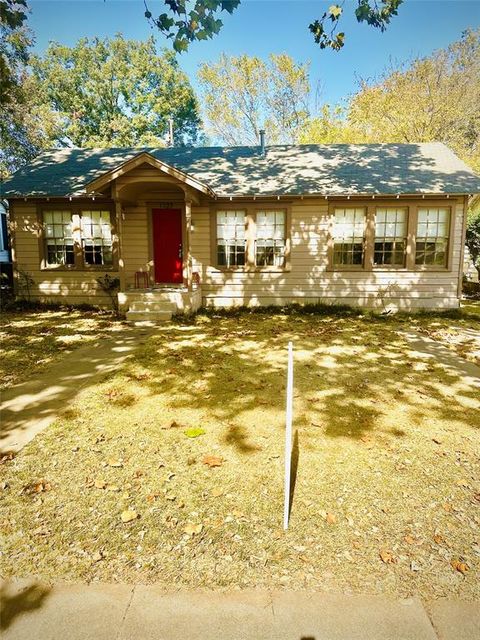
(171, 204)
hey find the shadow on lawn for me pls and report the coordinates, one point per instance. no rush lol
(236, 367)
(13, 604)
(29, 407)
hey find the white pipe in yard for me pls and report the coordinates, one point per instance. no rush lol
(288, 435)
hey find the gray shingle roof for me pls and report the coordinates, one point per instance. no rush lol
(335, 169)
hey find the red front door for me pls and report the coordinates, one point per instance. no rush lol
(167, 244)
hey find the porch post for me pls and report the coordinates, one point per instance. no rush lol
(121, 263)
(187, 256)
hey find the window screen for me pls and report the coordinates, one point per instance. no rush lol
(270, 238)
(433, 227)
(58, 237)
(231, 239)
(348, 236)
(390, 236)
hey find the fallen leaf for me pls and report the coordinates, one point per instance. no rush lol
(128, 516)
(217, 492)
(191, 460)
(100, 484)
(409, 539)
(387, 556)
(41, 531)
(462, 567)
(113, 487)
(193, 529)
(438, 538)
(114, 462)
(448, 507)
(462, 483)
(7, 457)
(194, 432)
(213, 461)
(97, 556)
(331, 518)
(170, 496)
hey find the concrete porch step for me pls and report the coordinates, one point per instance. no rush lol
(148, 316)
(153, 305)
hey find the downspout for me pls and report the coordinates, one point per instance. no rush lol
(462, 247)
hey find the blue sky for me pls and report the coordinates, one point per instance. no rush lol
(260, 27)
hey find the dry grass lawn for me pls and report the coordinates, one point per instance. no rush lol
(387, 490)
(31, 340)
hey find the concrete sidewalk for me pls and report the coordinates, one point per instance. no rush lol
(124, 612)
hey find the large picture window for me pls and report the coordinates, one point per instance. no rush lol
(59, 246)
(433, 228)
(89, 231)
(231, 238)
(390, 237)
(270, 238)
(349, 236)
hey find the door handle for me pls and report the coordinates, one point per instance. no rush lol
(180, 252)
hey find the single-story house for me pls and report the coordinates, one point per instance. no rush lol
(374, 225)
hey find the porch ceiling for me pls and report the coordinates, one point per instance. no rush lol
(152, 190)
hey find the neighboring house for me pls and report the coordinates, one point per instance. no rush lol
(6, 271)
(378, 225)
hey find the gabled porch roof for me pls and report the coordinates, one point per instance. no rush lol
(142, 158)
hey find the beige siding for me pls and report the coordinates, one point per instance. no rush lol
(309, 279)
(136, 244)
(50, 285)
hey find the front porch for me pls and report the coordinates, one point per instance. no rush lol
(153, 220)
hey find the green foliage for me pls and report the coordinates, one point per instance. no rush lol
(329, 126)
(243, 94)
(26, 126)
(184, 24)
(433, 98)
(111, 286)
(325, 30)
(116, 92)
(472, 238)
(15, 40)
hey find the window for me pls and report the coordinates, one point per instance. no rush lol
(96, 237)
(270, 239)
(231, 238)
(77, 238)
(390, 237)
(348, 236)
(432, 236)
(58, 237)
